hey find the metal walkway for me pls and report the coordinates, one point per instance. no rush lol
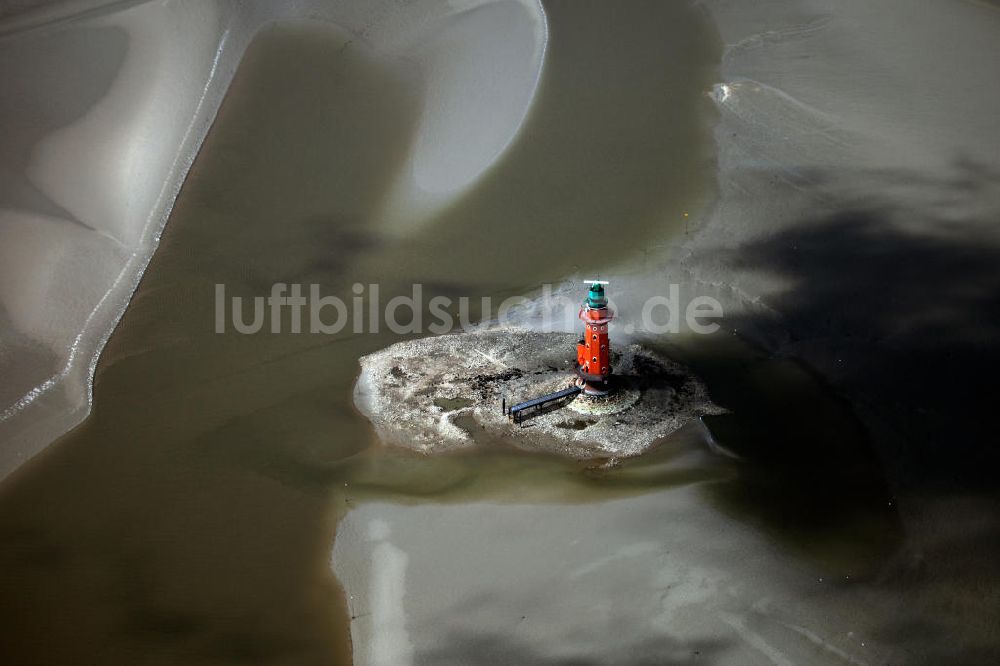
(529, 407)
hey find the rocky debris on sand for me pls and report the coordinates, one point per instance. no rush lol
(445, 393)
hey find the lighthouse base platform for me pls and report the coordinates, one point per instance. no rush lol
(619, 399)
(446, 393)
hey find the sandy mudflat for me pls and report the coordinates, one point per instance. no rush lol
(317, 135)
(654, 579)
(844, 212)
(110, 102)
(444, 393)
(854, 224)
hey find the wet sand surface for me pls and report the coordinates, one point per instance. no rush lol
(190, 518)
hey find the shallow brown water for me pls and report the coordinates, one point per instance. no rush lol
(190, 518)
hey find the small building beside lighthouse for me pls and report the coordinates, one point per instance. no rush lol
(593, 351)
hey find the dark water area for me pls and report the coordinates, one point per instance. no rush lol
(190, 517)
(808, 474)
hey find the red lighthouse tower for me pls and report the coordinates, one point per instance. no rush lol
(593, 351)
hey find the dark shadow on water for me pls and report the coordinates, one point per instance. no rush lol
(884, 375)
(899, 305)
(806, 472)
(893, 298)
